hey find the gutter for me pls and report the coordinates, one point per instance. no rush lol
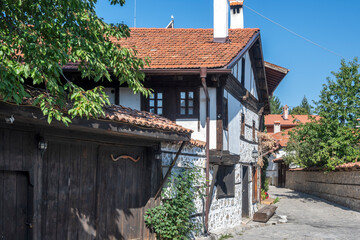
(203, 74)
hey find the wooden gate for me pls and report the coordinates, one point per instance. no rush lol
(15, 205)
(245, 191)
(91, 193)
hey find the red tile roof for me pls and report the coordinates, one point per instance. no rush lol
(186, 48)
(236, 3)
(271, 118)
(122, 114)
(282, 137)
(349, 166)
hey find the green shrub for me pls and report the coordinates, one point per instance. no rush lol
(172, 219)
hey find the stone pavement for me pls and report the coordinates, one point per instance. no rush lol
(308, 217)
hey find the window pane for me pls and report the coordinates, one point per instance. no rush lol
(191, 103)
(159, 103)
(182, 111)
(191, 95)
(152, 96)
(191, 111)
(159, 95)
(182, 103)
(182, 95)
(152, 110)
(152, 103)
(159, 111)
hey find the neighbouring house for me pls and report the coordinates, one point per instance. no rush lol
(278, 126)
(216, 83)
(91, 180)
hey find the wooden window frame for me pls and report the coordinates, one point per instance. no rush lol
(253, 131)
(155, 99)
(187, 99)
(243, 61)
(242, 133)
(225, 113)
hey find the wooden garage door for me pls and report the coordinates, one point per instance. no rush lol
(15, 205)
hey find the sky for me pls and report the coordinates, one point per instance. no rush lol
(332, 24)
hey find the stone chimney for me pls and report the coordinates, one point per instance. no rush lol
(236, 14)
(277, 126)
(221, 21)
(286, 112)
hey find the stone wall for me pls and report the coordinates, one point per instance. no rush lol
(341, 187)
(224, 212)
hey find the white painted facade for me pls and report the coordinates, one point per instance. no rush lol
(127, 98)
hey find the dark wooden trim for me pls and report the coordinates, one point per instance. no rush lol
(219, 117)
(219, 157)
(169, 170)
(117, 93)
(196, 103)
(238, 91)
(33, 115)
(195, 71)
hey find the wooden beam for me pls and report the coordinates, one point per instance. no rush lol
(264, 214)
(169, 170)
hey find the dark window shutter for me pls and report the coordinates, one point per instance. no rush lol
(225, 181)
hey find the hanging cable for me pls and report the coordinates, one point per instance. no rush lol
(292, 32)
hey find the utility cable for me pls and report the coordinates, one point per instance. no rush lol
(292, 32)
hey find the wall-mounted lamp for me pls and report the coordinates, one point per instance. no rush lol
(42, 144)
(158, 155)
(10, 120)
(254, 154)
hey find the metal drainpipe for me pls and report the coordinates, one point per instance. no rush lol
(203, 74)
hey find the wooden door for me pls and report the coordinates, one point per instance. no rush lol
(15, 206)
(125, 192)
(245, 191)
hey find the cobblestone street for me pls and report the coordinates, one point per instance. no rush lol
(308, 218)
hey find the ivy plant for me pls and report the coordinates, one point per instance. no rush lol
(172, 219)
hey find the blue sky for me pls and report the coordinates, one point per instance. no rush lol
(332, 24)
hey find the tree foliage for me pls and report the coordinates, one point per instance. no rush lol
(275, 105)
(39, 37)
(340, 97)
(324, 143)
(303, 109)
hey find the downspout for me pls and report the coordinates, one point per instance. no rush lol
(203, 74)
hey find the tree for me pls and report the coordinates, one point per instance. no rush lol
(39, 37)
(340, 98)
(324, 143)
(303, 109)
(275, 105)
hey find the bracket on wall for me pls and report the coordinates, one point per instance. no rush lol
(246, 96)
(124, 157)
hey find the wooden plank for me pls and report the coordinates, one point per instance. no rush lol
(52, 191)
(21, 206)
(264, 214)
(10, 205)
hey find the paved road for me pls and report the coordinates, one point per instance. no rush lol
(308, 218)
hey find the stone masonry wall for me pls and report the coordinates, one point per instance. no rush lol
(225, 212)
(339, 187)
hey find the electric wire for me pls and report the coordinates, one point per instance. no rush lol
(292, 32)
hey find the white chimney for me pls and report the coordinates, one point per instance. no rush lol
(221, 21)
(286, 112)
(236, 14)
(277, 126)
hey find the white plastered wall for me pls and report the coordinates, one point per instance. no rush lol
(127, 98)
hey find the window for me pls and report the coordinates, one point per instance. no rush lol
(225, 114)
(187, 102)
(225, 181)
(242, 125)
(156, 103)
(253, 131)
(243, 72)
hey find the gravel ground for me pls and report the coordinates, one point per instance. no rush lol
(308, 217)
